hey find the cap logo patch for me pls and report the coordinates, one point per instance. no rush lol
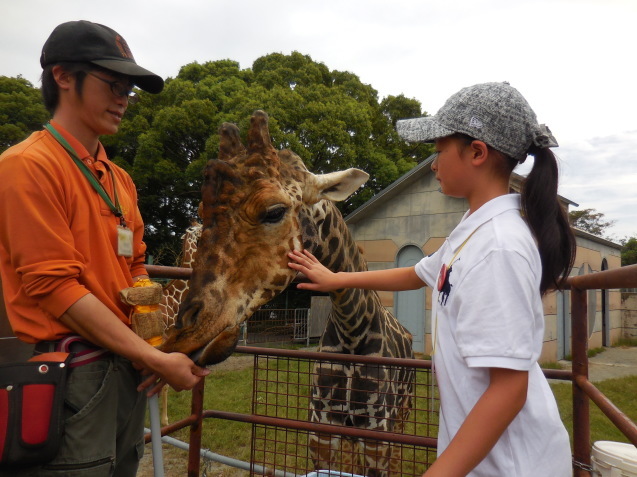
(123, 47)
(475, 123)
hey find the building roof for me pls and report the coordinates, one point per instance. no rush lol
(410, 177)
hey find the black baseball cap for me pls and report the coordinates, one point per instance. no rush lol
(84, 41)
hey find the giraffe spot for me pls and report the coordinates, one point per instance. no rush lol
(326, 226)
(279, 280)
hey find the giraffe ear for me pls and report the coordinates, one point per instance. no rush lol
(335, 186)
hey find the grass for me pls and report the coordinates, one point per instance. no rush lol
(551, 365)
(620, 391)
(590, 353)
(626, 342)
(224, 391)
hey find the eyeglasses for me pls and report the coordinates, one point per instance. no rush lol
(118, 89)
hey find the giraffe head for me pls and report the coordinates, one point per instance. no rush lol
(256, 207)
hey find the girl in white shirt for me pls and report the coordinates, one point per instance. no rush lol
(498, 416)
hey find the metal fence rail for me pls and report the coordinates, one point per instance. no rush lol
(282, 427)
(583, 389)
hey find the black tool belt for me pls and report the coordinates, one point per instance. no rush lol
(31, 409)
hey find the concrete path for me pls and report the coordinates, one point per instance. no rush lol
(612, 363)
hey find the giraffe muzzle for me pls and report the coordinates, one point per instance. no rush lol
(219, 349)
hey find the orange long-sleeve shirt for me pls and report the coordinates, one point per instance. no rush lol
(58, 238)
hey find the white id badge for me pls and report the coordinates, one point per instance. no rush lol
(124, 241)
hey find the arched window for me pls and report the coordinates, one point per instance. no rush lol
(409, 306)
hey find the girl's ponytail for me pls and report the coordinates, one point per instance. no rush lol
(548, 220)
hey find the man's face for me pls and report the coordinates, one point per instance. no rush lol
(103, 101)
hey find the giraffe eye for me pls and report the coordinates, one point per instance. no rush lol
(274, 214)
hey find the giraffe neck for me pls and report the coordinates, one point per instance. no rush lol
(175, 290)
(358, 318)
(190, 245)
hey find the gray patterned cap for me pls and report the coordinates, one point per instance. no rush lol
(495, 113)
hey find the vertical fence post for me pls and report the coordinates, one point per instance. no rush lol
(194, 452)
(581, 416)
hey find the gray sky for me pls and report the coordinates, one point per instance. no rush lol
(574, 60)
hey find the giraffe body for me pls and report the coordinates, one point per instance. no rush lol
(257, 205)
(175, 290)
(172, 295)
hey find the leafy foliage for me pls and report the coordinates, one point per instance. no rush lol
(590, 221)
(629, 251)
(329, 118)
(21, 110)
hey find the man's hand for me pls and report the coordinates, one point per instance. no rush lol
(178, 371)
(91, 319)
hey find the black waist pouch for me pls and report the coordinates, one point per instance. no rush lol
(31, 409)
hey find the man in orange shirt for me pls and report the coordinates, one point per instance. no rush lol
(71, 239)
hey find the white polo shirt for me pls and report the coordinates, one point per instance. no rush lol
(489, 314)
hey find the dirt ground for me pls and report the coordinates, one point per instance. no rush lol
(176, 465)
(616, 362)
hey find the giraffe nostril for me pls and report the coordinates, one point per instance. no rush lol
(187, 315)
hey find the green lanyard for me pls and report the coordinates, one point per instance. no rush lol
(97, 185)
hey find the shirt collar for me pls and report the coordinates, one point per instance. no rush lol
(488, 211)
(80, 150)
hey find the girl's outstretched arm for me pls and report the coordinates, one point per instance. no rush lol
(394, 279)
(489, 418)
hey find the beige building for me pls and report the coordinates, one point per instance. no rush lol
(411, 219)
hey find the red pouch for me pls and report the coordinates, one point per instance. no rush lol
(31, 409)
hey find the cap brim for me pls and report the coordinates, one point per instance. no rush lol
(424, 129)
(143, 78)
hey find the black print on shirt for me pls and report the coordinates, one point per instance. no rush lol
(446, 288)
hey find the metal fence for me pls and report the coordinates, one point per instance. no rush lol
(344, 434)
(283, 430)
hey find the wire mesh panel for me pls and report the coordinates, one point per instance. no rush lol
(364, 418)
(278, 326)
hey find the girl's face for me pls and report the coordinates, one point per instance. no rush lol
(452, 167)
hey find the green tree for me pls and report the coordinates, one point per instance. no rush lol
(629, 251)
(590, 221)
(330, 118)
(21, 110)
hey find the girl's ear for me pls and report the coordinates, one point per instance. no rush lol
(479, 152)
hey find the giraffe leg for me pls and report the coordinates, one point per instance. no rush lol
(164, 406)
(351, 459)
(376, 454)
(329, 452)
(359, 459)
(396, 450)
(321, 450)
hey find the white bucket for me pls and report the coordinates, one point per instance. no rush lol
(614, 459)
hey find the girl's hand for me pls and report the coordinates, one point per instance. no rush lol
(323, 279)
